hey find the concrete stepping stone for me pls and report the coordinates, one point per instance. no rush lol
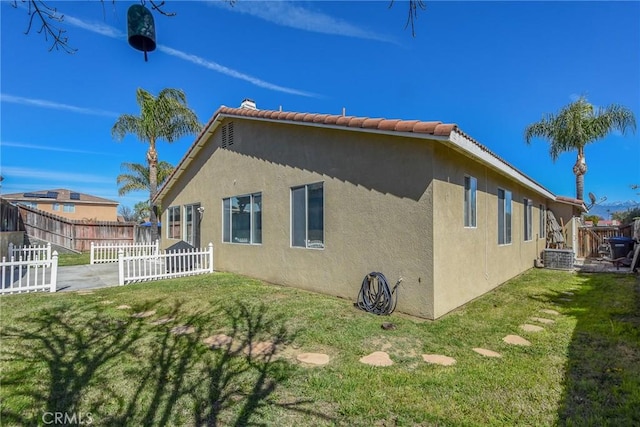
(549, 311)
(144, 314)
(163, 320)
(439, 359)
(123, 307)
(264, 348)
(543, 320)
(183, 330)
(565, 299)
(218, 341)
(106, 302)
(377, 358)
(318, 359)
(486, 352)
(568, 293)
(531, 328)
(516, 340)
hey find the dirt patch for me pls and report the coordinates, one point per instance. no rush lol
(400, 347)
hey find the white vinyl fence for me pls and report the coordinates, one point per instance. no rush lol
(35, 270)
(29, 252)
(108, 252)
(164, 264)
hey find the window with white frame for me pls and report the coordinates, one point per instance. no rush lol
(543, 222)
(504, 216)
(173, 222)
(69, 207)
(307, 216)
(191, 220)
(470, 187)
(528, 219)
(55, 207)
(33, 205)
(242, 219)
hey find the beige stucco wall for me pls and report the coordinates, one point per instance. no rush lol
(82, 211)
(469, 261)
(392, 204)
(377, 196)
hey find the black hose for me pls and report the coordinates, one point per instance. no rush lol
(376, 296)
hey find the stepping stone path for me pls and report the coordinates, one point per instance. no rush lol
(106, 302)
(377, 358)
(487, 353)
(516, 340)
(543, 320)
(439, 359)
(264, 348)
(548, 311)
(123, 307)
(183, 330)
(163, 320)
(218, 341)
(144, 314)
(531, 328)
(318, 359)
(568, 293)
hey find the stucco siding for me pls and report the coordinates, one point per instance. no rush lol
(377, 207)
(468, 260)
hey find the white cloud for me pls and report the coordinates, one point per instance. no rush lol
(55, 105)
(230, 72)
(50, 176)
(51, 148)
(109, 31)
(289, 14)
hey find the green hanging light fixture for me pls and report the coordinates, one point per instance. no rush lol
(141, 29)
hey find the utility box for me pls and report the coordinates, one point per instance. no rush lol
(558, 259)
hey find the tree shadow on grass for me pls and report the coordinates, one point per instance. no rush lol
(602, 378)
(127, 371)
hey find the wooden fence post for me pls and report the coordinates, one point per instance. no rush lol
(210, 250)
(10, 254)
(54, 271)
(121, 267)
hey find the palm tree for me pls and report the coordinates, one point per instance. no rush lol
(136, 176)
(577, 125)
(163, 117)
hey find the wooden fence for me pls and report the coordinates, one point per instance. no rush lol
(9, 217)
(71, 234)
(591, 238)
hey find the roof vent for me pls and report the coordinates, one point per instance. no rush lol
(248, 104)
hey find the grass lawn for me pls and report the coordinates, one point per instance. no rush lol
(74, 259)
(83, 356)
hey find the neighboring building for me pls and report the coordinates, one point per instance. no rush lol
(68, 204)
(317, 201)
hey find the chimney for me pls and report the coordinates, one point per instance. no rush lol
(248, 104)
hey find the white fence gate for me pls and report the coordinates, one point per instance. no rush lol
(108, 252)
(35, 269)
(164, 264)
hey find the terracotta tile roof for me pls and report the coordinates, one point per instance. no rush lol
(61, 195)
(415, 126)
(418, 127)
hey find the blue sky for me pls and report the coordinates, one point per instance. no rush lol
(490, 67)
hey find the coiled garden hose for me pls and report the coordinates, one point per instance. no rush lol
(376, 296)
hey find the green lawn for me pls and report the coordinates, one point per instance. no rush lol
(80, 354)
(74, 259)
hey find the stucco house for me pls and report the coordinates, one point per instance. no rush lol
(317, 201)
(68, 204)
